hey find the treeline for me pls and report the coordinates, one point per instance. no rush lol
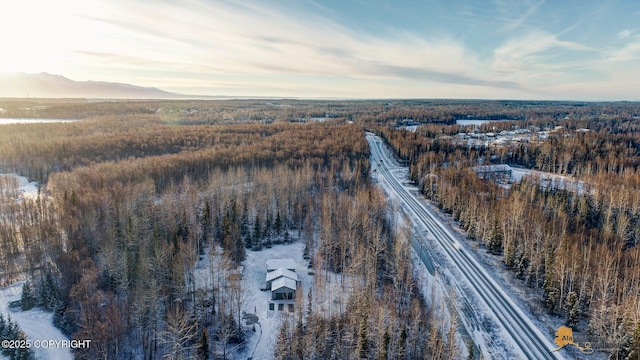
(577, 246)
(36, 150)
(194, 112)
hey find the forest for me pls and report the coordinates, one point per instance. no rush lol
(575, 247)
(133, 200)
(136, 193)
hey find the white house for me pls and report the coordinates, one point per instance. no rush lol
(283, 288)
(279, 273)
(282, 280)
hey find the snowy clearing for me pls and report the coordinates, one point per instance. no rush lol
(260, 345)
(20, 185)
(36, 323)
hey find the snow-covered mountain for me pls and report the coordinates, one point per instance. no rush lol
(45, 85)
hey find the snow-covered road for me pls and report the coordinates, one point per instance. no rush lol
(488, 299)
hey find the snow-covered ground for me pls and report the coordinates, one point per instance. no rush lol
(545, 179)
(260, 345)
(36, 324)
(24, 188)
(549, 180)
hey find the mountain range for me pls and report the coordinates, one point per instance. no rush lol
(45, 85)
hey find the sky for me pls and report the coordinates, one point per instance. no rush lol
(491, 49)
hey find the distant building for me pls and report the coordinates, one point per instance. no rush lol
(500, 173)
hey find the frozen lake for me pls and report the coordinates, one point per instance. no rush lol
(34, 121)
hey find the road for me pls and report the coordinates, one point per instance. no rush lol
(528, 339)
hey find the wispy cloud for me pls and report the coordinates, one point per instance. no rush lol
(629, 52)
(227, 38)
(518, 22)
(294, 47)
(626, 33)
(532, 53)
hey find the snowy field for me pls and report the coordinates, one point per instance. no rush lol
(549, 180)
(545, 179)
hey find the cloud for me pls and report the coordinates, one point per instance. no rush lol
(629, 52)
(295, 47)
(259, 38)
(625, 33)
(535, 52)
(532, 9)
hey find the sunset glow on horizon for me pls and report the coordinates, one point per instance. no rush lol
(585, 50)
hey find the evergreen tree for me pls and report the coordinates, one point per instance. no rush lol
(48, 293)
(22, 353)
(28, 299)
(61, 319)
(3, 325)
(309, 305)
(277, 225)
(266, 231)
(257, 231)
(298, 340)
(248, 240)
(633, 349)
(205, 223)
(383, 353)
(244, 225)
(362, 348)
(203, 345)
(471, 355)
(494, 243)
(402, 343)
(10, 330)
(572, 308)
(551, 300)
